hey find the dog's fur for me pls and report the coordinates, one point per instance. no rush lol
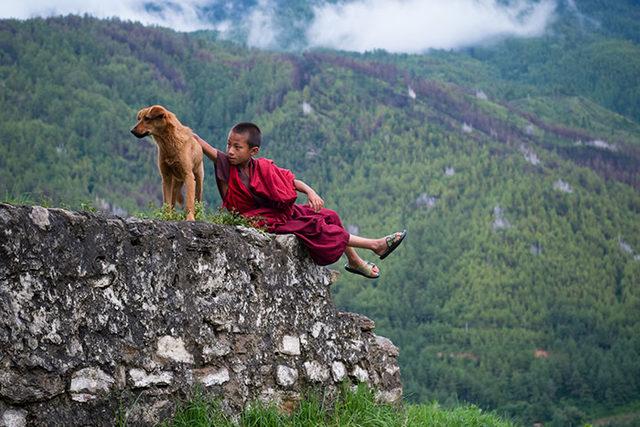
(179, 156)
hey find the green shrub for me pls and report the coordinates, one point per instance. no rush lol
(353, 408)
(219, 216)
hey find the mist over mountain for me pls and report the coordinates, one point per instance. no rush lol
(409, 26)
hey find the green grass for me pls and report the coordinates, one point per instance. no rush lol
(165, 213)
(23, 199)
(433, 415)
(219, 216)
(353, 408)
(29, 199)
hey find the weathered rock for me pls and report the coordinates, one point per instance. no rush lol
(290, 345)
(316, 372)
(338, 371)
(363, 322)
(32, 386)
(101, 313)
(387, 346)
(286, 376)
(212, 376)
(14, 418)
(317, 328)
(218, 348)
(40, 217)
(89, 383)
(173, 348)
(360, 374)
(141, 379)
(90, 380)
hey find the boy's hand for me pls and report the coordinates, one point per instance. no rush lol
(315, 201)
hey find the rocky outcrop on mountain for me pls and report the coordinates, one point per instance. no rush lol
(101, 314)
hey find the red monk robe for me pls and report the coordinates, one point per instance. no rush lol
(268, 192)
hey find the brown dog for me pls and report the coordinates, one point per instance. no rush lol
(179, 156)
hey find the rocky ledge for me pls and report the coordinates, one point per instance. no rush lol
(102, 314)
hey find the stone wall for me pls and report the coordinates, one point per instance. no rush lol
(100, 314)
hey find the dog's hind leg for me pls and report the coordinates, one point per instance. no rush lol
(179, 197)
(176, 193)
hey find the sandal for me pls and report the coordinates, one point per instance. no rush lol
(365, 270)
(393, 241)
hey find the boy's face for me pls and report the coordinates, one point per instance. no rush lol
(238, 150)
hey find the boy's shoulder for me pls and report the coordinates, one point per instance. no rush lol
(264, 164)
(264, 159)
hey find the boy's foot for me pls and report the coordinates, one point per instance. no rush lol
(393, 241)
(366, 269)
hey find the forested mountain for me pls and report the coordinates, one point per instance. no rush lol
(518, 287)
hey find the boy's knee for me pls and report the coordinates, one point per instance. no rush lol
(333, 217)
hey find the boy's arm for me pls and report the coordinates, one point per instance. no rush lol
(315, 201)
(207, 149)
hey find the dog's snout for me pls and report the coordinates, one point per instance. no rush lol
(139, 134)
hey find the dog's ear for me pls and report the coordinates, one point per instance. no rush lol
(156, 112)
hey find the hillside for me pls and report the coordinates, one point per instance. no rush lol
(517, 288)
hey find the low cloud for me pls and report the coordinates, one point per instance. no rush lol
(262, 30)
(183, 15)
(582, 18)
(408, 26)
(413, 26)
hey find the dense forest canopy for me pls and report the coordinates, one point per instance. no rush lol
(514, 167)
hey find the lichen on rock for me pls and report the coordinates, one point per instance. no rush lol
(100, 312)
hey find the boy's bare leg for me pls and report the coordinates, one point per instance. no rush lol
(355, 261)
(365, 243)
(376, 245)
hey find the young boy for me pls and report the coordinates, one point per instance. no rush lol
(258, 188)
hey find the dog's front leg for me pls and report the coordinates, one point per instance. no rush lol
(167, 184)
(190, 184)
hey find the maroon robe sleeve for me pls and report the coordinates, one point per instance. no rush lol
(273, 184)
(222, 173)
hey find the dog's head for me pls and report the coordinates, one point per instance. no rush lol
(152, 121)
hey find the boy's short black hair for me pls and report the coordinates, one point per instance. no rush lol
(254, 135)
